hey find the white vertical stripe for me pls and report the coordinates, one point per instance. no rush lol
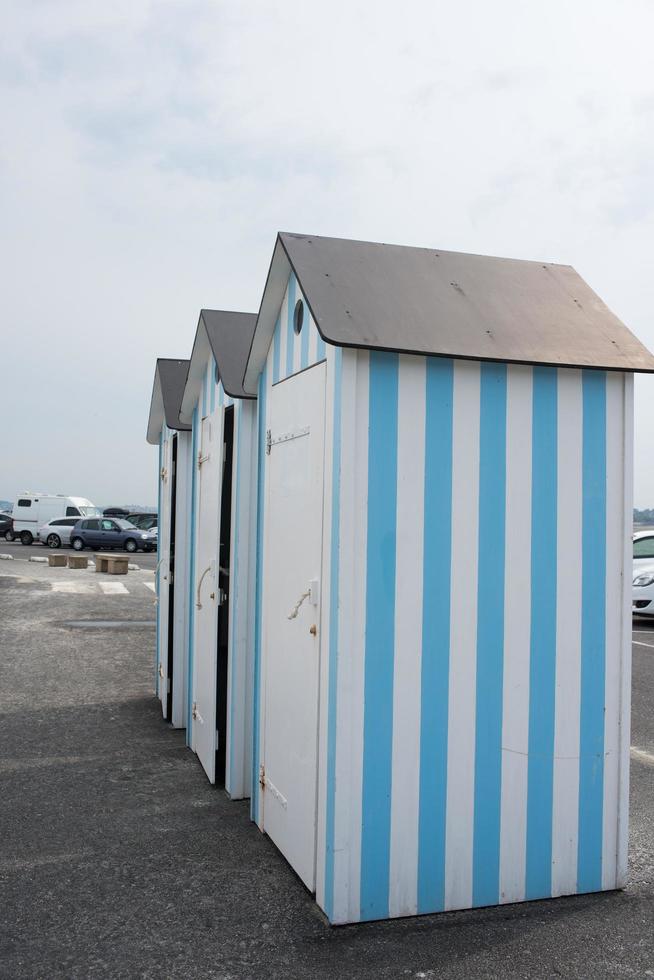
(614, 553)
(405, 797)
(517, 627)
(565, 790)
(313, 338)
(324, 629)
(625, 685)
(463, 637)
(283, 331)
(351, 637)
(297, 340)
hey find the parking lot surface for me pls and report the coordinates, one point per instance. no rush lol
(119, 859)
(21, 551)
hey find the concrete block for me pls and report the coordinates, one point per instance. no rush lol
(57, 561)
(78, 561)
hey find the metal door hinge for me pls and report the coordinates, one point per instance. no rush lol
(262, 777)
(222, 597)
(285, 437)
(194, 712)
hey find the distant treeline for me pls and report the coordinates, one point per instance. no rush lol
(644, 516)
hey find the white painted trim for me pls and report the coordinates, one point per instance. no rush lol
(614, 556)
(323, 628)
(351, 633)
(625, 688)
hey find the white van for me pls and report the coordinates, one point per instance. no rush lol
(32, 510)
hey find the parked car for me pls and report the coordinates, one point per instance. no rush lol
(108, 532)
(6, 527)
(32, 510)
(56, 533)
(115, 512)
(642, 598)
(151, 538)
(144, 521)
(643, 548)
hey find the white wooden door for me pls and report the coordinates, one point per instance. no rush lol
(206, 593)
(163, 610)
(293, 550)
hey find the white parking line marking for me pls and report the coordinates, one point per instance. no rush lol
(73, 588)
(150, 585)
(644, 632)
(639, 643)
(113, 588)
(642, 756)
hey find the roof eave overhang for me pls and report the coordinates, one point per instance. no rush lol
(196, 368)
(156, 416)
(271, 301)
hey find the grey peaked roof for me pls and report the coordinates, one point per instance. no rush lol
(452, 304)
(166, 400)
(230, 336)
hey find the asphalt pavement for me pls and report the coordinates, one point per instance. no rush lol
(118, 859)
(18, 550)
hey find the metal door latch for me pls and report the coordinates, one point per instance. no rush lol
(161, 670)
(268, 442)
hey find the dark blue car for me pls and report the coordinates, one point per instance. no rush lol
(108, 532)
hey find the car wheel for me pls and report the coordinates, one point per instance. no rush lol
(130, 545)
(26, 537)
(78, 544)
(53, 541)
(10, 536)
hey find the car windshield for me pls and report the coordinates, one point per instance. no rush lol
(90, 511)
(124, 525)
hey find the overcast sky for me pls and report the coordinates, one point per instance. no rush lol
(151, 150)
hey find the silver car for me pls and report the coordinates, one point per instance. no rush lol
(56, 533)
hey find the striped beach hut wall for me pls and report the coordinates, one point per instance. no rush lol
(442, 642)
(222, 489)
(171, 578)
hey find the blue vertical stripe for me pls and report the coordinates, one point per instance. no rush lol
(333, 636)
(490, 635)
(204, 395)
(304, 338)
(261, 486)
(593, 637)
(542, 667)
(276, 345)
(158, 641)
(379, 635)
(212, 383)
(191, 579)
(290, 333)
(437, 558)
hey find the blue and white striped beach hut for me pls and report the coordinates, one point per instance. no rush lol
(174, 440)
(442, 637)
(221, 570)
